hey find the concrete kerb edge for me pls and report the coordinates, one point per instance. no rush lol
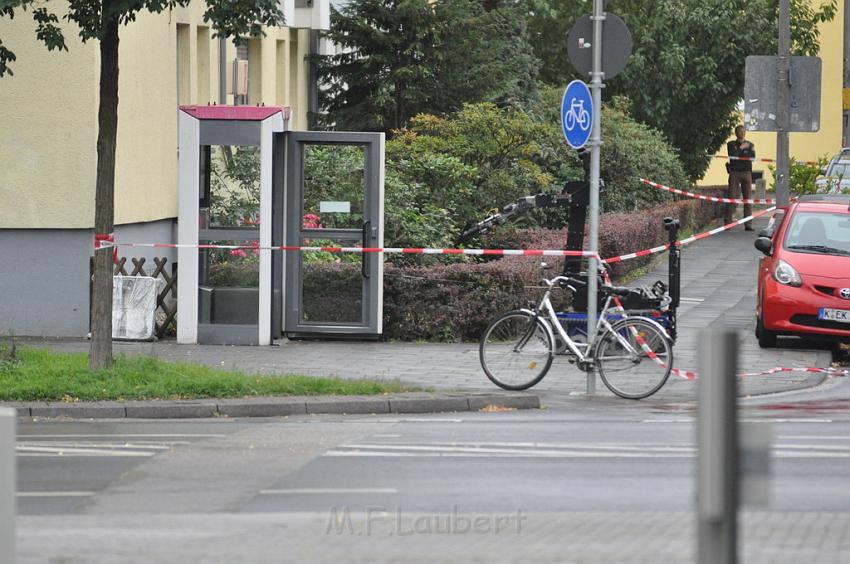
(276, 407)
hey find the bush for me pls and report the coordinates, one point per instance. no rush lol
(802, 176)
(454, 302)
(457, 168)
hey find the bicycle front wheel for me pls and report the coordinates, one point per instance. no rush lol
(634, 358)
(516, 350)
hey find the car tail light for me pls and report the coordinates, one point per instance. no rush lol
(785, 274)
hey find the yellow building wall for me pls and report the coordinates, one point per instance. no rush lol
(48, 111)
(48, 130)
(804, 146)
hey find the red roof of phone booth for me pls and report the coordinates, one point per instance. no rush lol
(241, 113)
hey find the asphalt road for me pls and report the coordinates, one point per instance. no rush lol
(235, 490)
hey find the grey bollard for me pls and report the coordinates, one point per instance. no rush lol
(717, 449)
(8, 419)
(761, 187)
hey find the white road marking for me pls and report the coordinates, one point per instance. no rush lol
(420, 420)
(33, 450)
(744, 420)
(152, 445)
(692, 300)
(541, 447)
(121, 435)
(331, 491)
(55, 494)
(520, 454)
(668, 420)
(816, 437)
(387, 436)
(562, 450)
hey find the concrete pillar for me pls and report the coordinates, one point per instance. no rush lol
(8, 419)
(761, 187)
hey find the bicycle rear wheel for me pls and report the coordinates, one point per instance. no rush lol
(516, 350)
(634, 358)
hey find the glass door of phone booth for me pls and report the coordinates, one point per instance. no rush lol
(328, 192)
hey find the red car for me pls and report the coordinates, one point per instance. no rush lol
(804, 277)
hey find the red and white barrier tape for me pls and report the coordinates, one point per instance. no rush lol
(830, 372)
(365, 250)
(755, 159)
(103, 244)
(690, 239)
(707, 198)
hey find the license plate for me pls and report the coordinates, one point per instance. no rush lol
(840, 315)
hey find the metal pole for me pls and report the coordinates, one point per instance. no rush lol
(783, 104)
(7, 484)
(845, 130)
(717, 437)
(222, 70)
(595, 142)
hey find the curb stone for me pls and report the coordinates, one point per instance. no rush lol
(277, 406)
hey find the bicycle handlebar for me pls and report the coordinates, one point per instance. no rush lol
(565, 279)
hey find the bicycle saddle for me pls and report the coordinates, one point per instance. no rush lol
(607, 290)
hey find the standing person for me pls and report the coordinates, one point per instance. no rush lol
(740, 174)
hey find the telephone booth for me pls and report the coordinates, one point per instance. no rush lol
(247, 181)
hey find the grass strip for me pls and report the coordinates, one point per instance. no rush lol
(31, 374)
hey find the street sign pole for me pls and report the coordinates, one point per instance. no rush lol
(845, 130)
(595, 143)
(783, 105)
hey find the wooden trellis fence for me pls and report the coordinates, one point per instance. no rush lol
(167, 320)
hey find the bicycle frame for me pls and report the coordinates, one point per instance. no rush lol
(545, 306)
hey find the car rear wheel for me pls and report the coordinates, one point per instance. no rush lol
(766, 339)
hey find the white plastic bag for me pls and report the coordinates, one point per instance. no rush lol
(134, 306)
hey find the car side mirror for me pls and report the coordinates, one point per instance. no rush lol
(764, 244)
(823, 170)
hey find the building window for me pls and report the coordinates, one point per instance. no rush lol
(184, 94)
(203, 50)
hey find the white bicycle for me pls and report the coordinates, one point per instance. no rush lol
(633, 355)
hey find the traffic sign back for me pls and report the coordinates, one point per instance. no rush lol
(577, 114)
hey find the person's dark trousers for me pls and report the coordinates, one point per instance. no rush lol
(740, 185)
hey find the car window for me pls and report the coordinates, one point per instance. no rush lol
(819, 232)
(839, 169)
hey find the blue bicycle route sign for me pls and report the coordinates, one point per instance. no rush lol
(577, 114)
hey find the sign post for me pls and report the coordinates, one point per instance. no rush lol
(579, 122)
(595, 145)
(607, 56)
(783, 105)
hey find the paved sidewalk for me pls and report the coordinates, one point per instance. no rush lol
(718, 289)
(648, 537)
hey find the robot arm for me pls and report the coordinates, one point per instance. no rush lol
(521, 206)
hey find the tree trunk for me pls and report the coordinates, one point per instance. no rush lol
(104, 199)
